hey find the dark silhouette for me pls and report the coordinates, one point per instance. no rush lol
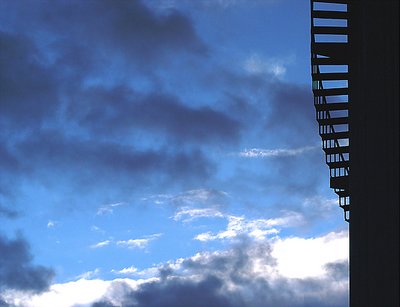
(355, 72)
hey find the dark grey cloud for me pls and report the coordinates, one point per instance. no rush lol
(292, 112)
(129, 28)
(227, 279)
(17, 270)
(117, 110)
(93, 162)
(28, 89)
(338, 270)
(7, 212)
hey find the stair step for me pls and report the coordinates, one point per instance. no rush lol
(339, 50)
(330, 14)
(339, 164)
(340, 182)
(330, 30)
(329, 61)
(334, 106)
(332, 1)
(330, 76)
(335, 135)
(333, 121)
(337, 150)
(331, 91)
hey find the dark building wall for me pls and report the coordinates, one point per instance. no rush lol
(374, 153)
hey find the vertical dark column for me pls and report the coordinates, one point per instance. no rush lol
(374, 153)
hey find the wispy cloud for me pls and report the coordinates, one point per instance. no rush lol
(109, 208)
(277, 152)
(256, 64)
(89, 274)
(51, 224)
(256, 228)
(95, 228)
(187, 214)
(139, 243)
(195, 197)
(101, 244)
(129, 270)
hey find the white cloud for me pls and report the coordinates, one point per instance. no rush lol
(255, 64)
(95, 228)
(195, 197)
(81, 293)
(109, 208)
(288, 262)
(187, 214)
(51, 224)
(89, 274)
(139, 243)
(277, 152)
(100, 244)
(129, 270)
(256, 228)
(305, 257)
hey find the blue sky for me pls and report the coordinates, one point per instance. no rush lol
(163, 153)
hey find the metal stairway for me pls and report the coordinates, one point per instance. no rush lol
(329, 64)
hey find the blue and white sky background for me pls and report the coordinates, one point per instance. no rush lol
(163, 153)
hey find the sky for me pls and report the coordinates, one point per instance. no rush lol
(163, 153)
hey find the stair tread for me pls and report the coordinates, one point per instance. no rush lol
(333, 106)
(337, 150)
(329, 61)
(329, 30)
(335, 135)
(329, 14)
(331, 91)
(339, 164)
(330, 76)
(333, 121)
(332, 1)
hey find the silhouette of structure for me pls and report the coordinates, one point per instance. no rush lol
(355, 73)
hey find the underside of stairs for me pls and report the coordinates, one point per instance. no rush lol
(329, 64)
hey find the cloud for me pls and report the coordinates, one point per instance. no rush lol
(291, 103)
(89, 274)
(211, 4)
(209, 198)
(245, 275)
(6, 212)
(52, 224)
(310, 254)
(258, 228)
(129, 270)
(86, 160)
(276, 67)
(101, 244)
(109, 208)
(279, 152)
(16, 269)
(139, 243)
(187, 214)
(28, 90)
(126, 28)
(112, 111)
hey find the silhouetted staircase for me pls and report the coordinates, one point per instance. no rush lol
(329, 63)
